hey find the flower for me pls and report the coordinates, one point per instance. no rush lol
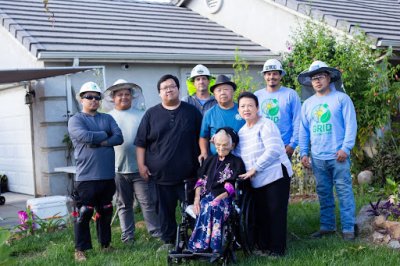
(23, 217)
(225, 174)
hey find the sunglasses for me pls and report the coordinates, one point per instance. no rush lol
(91, 97)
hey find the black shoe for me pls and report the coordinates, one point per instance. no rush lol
(322, 233)
(349, 236)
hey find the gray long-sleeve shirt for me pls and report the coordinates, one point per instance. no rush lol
(94, 162)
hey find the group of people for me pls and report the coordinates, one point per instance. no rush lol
(147, 154)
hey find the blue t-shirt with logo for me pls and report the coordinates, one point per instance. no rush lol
(329, 124)
(216, 118)
(283, 108)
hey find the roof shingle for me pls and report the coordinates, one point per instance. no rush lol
(379, 19)
(120, 28)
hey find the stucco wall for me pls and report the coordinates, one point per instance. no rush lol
(262, 21)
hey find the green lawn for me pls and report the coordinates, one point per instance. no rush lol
(57, 248)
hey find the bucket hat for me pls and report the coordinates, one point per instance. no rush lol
(318, 67)
(222, 79)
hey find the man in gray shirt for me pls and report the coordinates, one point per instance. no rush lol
(93, 135)
(129, 108)
(198, 89)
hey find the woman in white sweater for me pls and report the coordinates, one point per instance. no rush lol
(269, 170)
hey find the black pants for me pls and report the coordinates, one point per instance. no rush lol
(96, 194)
(271, 204)
(167, 197)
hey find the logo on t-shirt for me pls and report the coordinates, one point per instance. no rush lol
(238, 117)
(270, 109)
(321, 115)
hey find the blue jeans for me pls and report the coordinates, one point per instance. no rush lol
(129, 187)
(329, 173)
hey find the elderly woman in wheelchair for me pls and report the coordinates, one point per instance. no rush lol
(214, 192)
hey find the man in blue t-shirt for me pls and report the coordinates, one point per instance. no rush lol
(224, 114)
(329, 125)
(280, 104)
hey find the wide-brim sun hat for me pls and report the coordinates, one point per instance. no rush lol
(122, 84)
(318, 67)
(222, 79)
(138, 101)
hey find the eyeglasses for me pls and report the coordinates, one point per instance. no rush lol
(91, 97)
(172, 87)
(318, 78)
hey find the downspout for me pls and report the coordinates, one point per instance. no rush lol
(29, 98)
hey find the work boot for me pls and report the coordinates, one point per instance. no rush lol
(80, 256)
(349, 236)
(322, 233)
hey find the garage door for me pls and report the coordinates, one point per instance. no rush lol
(15, 141)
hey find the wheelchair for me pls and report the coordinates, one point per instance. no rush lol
(237, 232)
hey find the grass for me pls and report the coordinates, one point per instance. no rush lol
(57, 248)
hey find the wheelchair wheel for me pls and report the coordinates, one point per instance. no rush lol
(247, 224)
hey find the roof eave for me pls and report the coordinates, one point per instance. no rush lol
(389, 43)
(149, 58)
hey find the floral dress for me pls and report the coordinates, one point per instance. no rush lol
(218, 177)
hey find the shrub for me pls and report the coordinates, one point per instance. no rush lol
(385, 162)
(367, 75)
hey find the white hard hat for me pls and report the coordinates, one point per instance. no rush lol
(90, 86)
(199, 70)
(273, 65)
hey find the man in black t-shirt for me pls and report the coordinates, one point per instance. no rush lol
(167, 150)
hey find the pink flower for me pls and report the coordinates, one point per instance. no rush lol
(23, 217)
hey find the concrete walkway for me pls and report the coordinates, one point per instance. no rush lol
(9, 211)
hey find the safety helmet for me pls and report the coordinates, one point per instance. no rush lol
(199, 70)
(90, 86)
(273, 65)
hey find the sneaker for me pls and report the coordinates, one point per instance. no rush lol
(165, 247)
(80, 256)
(322, 233)
(349, 236)
(129, 241)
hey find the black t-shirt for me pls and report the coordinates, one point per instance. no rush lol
(170, 138)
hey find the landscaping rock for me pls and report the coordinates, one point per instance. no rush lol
(394, 244)
(364, 221)
(394, 231)
(386, 239)
(380, 222)
(365, 177)
(377, 237)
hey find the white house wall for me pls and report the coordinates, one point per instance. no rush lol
(262, 21)
(13, 54)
